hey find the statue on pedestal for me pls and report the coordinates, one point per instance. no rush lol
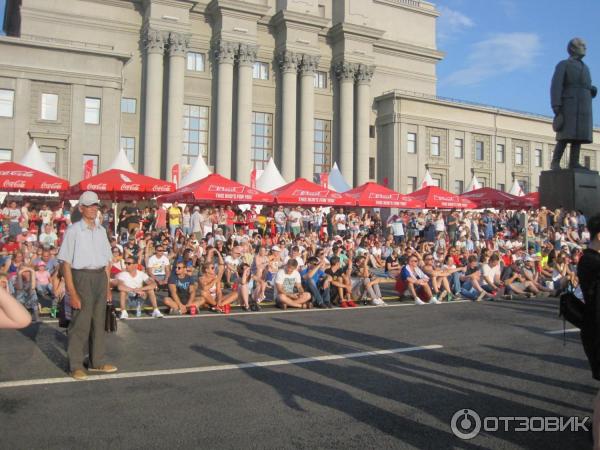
(571, 95)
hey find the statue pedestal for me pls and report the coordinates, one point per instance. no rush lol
(571, 189)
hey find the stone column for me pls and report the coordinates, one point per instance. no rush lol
(246, 58)
(153, 96)
(288, 62)
(225, 54)
(345, 72)
(364, 74)
(178, 44)
(308, 67)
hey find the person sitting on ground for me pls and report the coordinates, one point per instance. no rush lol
(341, 290)
(516, 283)
(392, 264)
(471, 280)
(136, 285)
(492, 274)
(288, 287)
(182, 288)
(418, 282)
(438, 278)
(530, 273)
(159, 267)
(209, 283)
(369, 281)
(245, 287)
(317, 282)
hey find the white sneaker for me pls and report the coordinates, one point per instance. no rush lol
(434, 300)
(418, 301)
(378, 302)
(124, 315)
(157, 314)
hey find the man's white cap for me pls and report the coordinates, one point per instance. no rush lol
(275, 248)
(89, 198)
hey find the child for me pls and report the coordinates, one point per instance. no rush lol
(25, 291)
(43, 286)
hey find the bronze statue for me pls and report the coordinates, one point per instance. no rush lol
(571, 95)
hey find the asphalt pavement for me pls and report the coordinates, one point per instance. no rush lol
(369, 377)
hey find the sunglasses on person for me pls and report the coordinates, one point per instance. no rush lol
(129, 263)
(179, 267)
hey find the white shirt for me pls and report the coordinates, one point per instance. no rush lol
(295, 217)
(340, 221)
(158, 265)
(135, 282)
(288, 281)
(491, 273)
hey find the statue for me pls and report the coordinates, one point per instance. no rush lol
(571, 95)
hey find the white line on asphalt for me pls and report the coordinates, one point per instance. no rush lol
(568, 330)
(277, 311)
(249, 365)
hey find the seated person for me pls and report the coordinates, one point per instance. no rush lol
(317, 282)
(392, 264)
(159, 267)
(182, 288)
(438, 278)
(369, 281)
(515, 282)
(209, 285)
(341, 284)
(288, 287)
(418, 282)
(471, 281)
(136, 285)
(492, 274)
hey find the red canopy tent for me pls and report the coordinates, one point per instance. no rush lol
(216, 189)
(372, 195)
(303, 192)
(117, 184)
(16, 177)
(435, 197)
(492, 198)
(531, 200)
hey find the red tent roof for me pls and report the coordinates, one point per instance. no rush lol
(120, 184)
(492, 198)
(435, 197)
(373, 195)
(216, 189)
(531, 200)
(16, 177)
(303, 192)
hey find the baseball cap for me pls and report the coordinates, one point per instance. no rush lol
(89, 198)
(275, 248)
(24, 230)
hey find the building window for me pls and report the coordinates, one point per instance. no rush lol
(501, 187)
(435, 146)
(321, 80)
(500, 153)
(519, 156)
(195, 62)
(7, 100)
(372, 131)
(195, 133)
(50, 158)
(322, 146)
(321, 10)
(538, 157)
(49, 107)
(459, 148)
(93, 158)
(262, 139)
(459, 186)
(587, 162)
(437, 180)
(411, 143)
(5, 155)
(411, 184)
(482, 181)
(92, 110)
(372, 168)
(479, 151)
(260, 71)
(128, 146)
(128, 105)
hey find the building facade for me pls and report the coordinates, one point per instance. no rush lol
(308, 82)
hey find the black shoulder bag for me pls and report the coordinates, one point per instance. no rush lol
(110, 322)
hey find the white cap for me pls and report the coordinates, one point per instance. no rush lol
(89, 198)
(275, 248)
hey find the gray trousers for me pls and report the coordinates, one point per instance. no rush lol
(87, 323)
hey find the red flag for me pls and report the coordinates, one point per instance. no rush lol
(88, 169)
(385, 181)
(253, 179)
(175, 174)
(325, 180)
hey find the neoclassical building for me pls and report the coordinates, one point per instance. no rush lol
(307, 82)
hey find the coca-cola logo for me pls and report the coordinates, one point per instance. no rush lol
(50, 186)
(231, 189)
(17, 173)
(130, 187)
(377, 196)
(16, 184)
(161, 188)
(96, 187)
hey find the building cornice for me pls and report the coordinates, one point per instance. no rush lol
(297, 20)
(356, 32)
(173, 3)
(58, 76)
(237, 8)
(413, 50)
(419, 6)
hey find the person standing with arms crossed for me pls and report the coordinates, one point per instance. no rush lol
(86, 260)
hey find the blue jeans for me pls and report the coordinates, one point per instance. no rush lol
(468, 291)
(454, 280)
(318, 297)
(173, 229)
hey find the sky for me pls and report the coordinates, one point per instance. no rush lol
(503, 52)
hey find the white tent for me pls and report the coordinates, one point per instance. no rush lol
(34, 160)
(427, 180)
(121, 162)
(516, 189)
(473, 185)
(270, 178)
(336, 180)
(198, 171)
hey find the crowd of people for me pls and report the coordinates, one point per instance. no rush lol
(189, 258)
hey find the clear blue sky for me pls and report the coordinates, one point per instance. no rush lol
(503, 52)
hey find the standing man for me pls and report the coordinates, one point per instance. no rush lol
(86, 260)
(175, 216)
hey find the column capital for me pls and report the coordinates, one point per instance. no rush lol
(225, 52)
(345, 71)
(309, 64)
(246, 54)
(178, 43)
(288, 61)
(364, 73)
(154, 41)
